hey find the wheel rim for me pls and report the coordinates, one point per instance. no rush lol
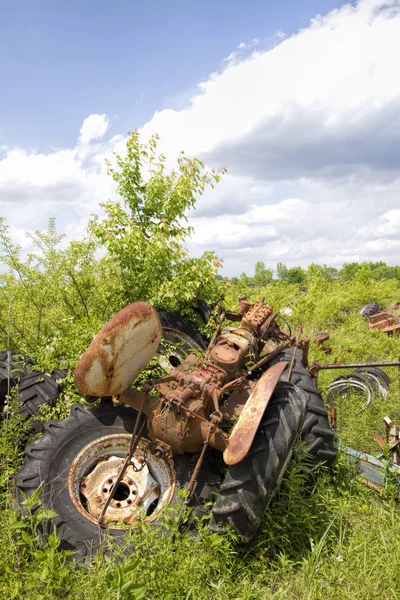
(175, 347)
(146, 488)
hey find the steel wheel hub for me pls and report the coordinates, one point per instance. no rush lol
(147, 486)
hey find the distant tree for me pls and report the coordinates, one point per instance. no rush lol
(262, 276)
(244, 279)
(282, 271)
(296, 275)
(349, 271)
(293, 275)
(328, 273)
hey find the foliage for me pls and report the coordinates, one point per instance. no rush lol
(144, 236)
(55, 300)
(293, 275)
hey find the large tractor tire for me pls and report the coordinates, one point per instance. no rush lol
(12, 368)
(179, 339)
(75, 464)
(250, 485)
(38, 389)
(316, 434)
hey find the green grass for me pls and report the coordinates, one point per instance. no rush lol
(329, 538)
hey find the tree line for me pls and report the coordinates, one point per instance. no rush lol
(262, 276)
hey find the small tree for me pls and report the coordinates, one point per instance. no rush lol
(145, 234)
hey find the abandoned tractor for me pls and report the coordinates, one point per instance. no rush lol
(221, 424)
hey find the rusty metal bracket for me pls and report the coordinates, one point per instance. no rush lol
(132, 447)
(245, 429)
(315, 367)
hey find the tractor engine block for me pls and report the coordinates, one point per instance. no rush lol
(189, 405)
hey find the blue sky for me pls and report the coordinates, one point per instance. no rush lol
(62, 60)
(301, 100)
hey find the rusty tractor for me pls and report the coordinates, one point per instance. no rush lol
(220, 425)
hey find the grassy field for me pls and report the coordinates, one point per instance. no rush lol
(329, 539)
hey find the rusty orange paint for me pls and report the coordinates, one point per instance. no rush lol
(243, 432)
(119, 352)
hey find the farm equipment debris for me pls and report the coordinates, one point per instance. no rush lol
(378, 471)
(223, 414)
(316, 366)
(220, 424)
(386, 322)
(369, 381)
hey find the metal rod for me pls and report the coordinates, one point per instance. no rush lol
(216, 332)
(132, 447)
(392, 363)
(269, 357)
(193, 479)
(289, 376)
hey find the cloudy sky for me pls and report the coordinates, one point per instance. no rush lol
(303, 108)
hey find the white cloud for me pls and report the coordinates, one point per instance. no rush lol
(93, 127)
(310, 131)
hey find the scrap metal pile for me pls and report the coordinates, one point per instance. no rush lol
(381, 319)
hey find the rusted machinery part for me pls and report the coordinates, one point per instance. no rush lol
(119, 352)
(316, 432)
(386, 322)
(245, 429)
(249, 485)
(168, 422)
(320, 338)
(146, 487)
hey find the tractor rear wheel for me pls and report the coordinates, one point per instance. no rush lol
(75, 464)
(250, 485)
(316, 433)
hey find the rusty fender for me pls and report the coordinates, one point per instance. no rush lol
(245, 429)
(119, 352)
